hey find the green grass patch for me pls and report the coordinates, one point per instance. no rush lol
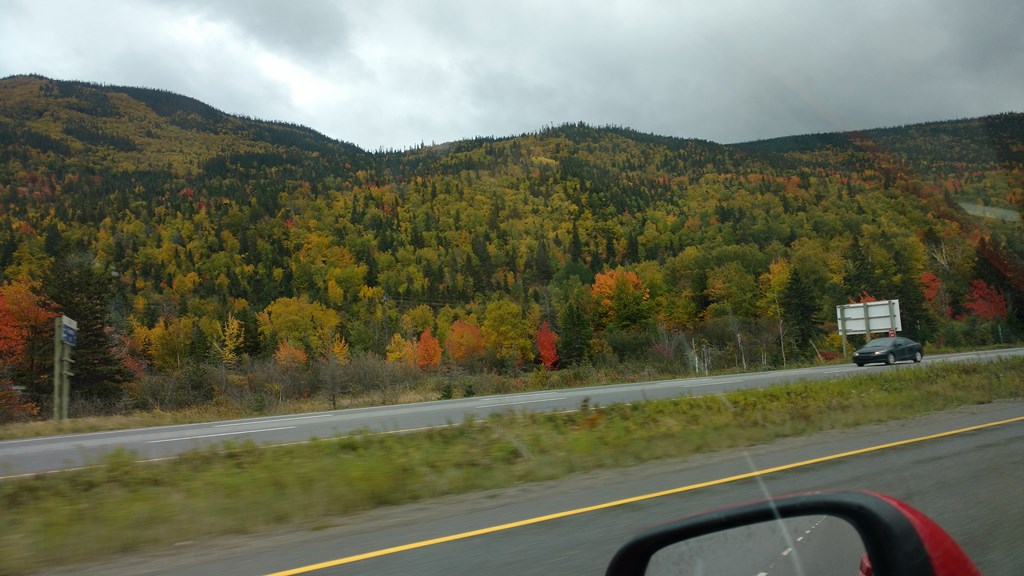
(242, 488)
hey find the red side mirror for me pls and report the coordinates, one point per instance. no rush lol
(865, 565)
(894, 538)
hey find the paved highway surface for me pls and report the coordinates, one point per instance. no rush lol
(969, 482)
(33, 455)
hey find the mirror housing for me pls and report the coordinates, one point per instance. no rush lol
(900, 540)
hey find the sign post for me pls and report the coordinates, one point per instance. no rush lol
(65, 337)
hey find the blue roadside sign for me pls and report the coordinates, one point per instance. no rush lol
(69, 331)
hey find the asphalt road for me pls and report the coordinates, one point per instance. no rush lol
(53, 453)
(969, 482)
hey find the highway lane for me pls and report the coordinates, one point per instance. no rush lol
(968, 482)
(34, 455)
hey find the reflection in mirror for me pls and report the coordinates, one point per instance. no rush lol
(800, 546)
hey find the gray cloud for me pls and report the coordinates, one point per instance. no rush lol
(393, 74)
(311, 30)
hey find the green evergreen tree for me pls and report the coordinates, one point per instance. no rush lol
(861, 277)
(542, 263)
(917, 323)
(800, 308)
(83, 291)
(575, 244)
(484, 268)
(574, 324)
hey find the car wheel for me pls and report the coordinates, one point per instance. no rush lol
(859, 364)
(890, 359)
(918, 356)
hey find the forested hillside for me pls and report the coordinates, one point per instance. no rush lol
(194, 246)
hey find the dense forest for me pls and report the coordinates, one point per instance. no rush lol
(200, 252)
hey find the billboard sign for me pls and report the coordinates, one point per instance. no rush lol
(869, 317)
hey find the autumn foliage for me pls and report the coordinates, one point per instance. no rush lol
(863, 298)
(428, 351)
(546, 341)
(289, 355)
(932, 290)
(465, 342)
(621, 297)
(401, 350)
(22, 312)
(229, 241)
(984, 302)
(13, 406)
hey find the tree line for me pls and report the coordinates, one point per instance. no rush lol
(568, 247)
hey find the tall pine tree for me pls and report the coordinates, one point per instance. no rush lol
(574, 322)
(799, 304)
(82, 291)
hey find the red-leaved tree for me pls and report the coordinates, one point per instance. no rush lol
(864, 297)
(935, 294)
(984, 302)
(546, 340)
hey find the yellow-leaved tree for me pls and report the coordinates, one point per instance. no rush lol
(400, 350)
(306, 324)
(506, 333)
(231, 340)
(340, 350)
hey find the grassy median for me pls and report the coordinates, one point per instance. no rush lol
(123, 506)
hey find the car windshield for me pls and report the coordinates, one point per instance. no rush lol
(880, 343)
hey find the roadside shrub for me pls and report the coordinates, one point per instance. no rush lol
(368, 373)
(13, 407)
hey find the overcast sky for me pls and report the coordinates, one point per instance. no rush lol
(393, 74)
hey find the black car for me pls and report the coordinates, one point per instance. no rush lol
(888, 351)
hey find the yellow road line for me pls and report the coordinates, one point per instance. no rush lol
(631, 500)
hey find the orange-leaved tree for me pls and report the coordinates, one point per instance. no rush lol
(21, 312)
(465, 342)
(428, 351)
(290, 356)
(26, 331)
(622, 299)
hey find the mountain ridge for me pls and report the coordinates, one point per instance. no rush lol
(199, 216)
(177, 106)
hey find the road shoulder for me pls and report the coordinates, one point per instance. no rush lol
(395, 525)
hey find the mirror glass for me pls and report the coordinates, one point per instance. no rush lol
(800, 546)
